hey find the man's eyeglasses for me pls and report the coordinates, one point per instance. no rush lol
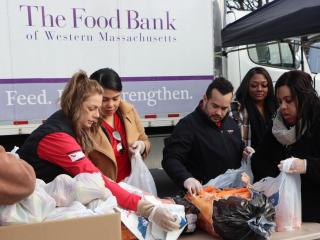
(116, 135)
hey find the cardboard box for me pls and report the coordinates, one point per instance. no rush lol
(103, 227)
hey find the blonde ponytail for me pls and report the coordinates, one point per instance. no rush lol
(77, 90)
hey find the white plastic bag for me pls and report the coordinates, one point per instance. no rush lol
(62, 189)
(232, 177)
(14, 152)
(90, 186)
(100, 206)
(140, 176)
(285, 193)
(74, 210)
(34, 208)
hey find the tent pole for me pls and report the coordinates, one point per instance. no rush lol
(301, 48)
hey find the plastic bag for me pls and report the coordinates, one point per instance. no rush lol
(100, 206)
(62, 189)
(90, 186)
(204, 202)
(232, 177)
(14, 152)
(285, 193)
(140, 176)
(75, 210)
(238, 218)
(34, 208)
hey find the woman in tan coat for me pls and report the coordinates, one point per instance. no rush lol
(121, 129)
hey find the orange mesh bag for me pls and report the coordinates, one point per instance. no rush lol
(204, 202)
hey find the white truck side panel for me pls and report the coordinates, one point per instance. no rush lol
(163, 50)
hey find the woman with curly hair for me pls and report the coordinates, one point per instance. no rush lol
(295, 133)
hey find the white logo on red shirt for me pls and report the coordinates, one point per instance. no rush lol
(75, 156)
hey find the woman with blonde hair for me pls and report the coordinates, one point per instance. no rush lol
(61, 146)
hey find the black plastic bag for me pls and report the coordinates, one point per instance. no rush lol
(240, 219)
(189, 207)
(191, 213)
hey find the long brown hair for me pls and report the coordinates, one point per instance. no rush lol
(77, 91)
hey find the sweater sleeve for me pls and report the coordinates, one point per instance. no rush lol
(63, 150)
(17, 178)
(142, 135)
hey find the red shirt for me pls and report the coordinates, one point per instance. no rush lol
(122, 157)
(63, 150)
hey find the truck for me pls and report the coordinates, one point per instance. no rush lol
(166, 52)
(279, 36)
(163, 51)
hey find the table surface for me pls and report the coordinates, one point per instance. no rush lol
(306, 232)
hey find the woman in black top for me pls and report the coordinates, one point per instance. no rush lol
(254, 105)
(295, 133)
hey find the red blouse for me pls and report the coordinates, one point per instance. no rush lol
(122, 156)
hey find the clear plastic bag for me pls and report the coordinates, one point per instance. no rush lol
(140, 176)
(284, 191)
(232, 177)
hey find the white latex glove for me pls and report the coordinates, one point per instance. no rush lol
(297, 166)
(164, 219)
(137, 146)
(192, 185)
(247, 152)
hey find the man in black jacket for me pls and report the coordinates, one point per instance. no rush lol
(205, 143)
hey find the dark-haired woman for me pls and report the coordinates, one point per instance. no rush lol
(61, 146)
(295, 133)
(121, 129)
(257, 105)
